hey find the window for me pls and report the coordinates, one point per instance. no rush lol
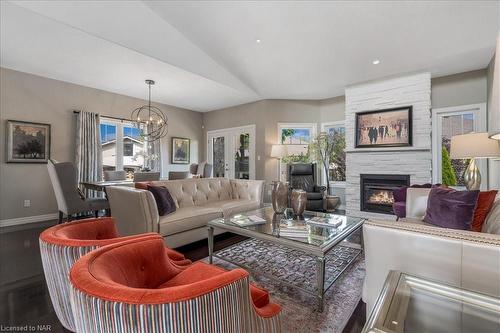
(337, 160)
(446, 123)
(297, 136)
(122, 146)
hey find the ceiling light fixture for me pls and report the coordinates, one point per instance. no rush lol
(150, 120)
(376, 62)
(257, 40)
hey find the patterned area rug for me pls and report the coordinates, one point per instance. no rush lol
(299, 308)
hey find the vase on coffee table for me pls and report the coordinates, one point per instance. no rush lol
(298, 200)
(279, 196)
(332, 202)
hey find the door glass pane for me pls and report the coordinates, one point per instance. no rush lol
(108, 144)
(452, 170)
(242, 156)
(218, 148)
(133, 150)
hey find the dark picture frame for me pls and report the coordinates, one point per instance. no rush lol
(181, 150)
(384, 128)
(27, 142)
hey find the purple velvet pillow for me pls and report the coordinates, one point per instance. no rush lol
(399, 194)
(452, 209)
(164, 201)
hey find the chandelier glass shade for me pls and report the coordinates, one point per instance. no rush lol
(152, 122)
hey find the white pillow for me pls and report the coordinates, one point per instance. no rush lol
(416, 202)
(491, 224)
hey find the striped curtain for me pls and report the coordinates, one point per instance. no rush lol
(88, 149)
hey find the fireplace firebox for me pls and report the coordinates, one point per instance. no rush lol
(376, 191)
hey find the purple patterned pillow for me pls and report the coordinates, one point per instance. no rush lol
(164, 201)
(452, 209)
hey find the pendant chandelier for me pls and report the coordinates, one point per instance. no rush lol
(150, 120)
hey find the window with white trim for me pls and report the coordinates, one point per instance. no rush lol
(448, 122)
(123, 147)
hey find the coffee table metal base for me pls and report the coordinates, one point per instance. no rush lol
(309, 273)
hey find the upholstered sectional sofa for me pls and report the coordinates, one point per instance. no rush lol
(466, 259)
(197, 202)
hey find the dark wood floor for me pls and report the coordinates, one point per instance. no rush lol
(24, 298)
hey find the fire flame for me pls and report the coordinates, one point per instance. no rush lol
(381, 197)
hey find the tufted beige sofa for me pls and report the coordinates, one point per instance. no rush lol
(197, 200)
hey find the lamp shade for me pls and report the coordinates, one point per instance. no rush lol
(279, 151)
(494, 104)
(474, 145)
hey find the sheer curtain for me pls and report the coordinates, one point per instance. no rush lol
(88, 149)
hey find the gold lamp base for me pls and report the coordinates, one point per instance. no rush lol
(472, 176)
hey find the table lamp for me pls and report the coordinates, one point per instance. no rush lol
(473, 146)
(279, 151)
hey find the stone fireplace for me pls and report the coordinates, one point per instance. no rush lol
(372, 197)
(376, 191)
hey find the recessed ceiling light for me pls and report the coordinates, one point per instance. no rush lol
(376, 62)
(257, 40)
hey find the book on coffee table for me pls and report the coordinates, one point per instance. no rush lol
(331, 222)
(244, 220)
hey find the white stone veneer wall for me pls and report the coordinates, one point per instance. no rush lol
(416, 160)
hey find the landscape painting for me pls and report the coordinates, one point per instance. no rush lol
(384, 128)
(27, 142)
(180, 151)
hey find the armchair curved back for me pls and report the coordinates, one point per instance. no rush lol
(62, 245)
(139, 279)
(302, 176)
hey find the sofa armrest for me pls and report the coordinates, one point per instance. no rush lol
(465, 259)
(319, 188)
(247, 189)
(135, 210)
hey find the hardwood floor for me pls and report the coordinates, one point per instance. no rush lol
(24, 298)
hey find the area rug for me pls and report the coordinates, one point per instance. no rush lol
(299, 309)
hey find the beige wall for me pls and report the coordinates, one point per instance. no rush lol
(459, 89)
(33, 98)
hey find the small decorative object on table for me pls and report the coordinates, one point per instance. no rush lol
(299, 199)
(332, 201)
(279, 196)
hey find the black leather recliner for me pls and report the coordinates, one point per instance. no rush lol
(303, 176)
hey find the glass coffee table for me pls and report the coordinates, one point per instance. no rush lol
(410, 304)
(321, 243)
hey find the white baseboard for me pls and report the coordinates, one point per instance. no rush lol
(28, 219)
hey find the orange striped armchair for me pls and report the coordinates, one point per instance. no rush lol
(134, 287)
(62, 245)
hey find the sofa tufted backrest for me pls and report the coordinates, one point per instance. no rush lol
(197, 192)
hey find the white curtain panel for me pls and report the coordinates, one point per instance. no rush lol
(88, 149)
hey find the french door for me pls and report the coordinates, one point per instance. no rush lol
(231, 151)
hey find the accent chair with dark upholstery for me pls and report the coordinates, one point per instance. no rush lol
(303, 176)
(133, 286)
(399, 194)
(62, 245)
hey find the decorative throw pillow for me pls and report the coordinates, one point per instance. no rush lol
(163, 199)
(484, 204)
(452, 209)
(492, 223)
(142, 185)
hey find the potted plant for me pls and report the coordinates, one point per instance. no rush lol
(324, 149)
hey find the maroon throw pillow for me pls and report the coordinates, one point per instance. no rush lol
(484, 203)
(452, 209)
(164, 201)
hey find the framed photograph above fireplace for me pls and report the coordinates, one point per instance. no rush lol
(384, 128)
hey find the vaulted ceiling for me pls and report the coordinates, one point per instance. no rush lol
(206, 55)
